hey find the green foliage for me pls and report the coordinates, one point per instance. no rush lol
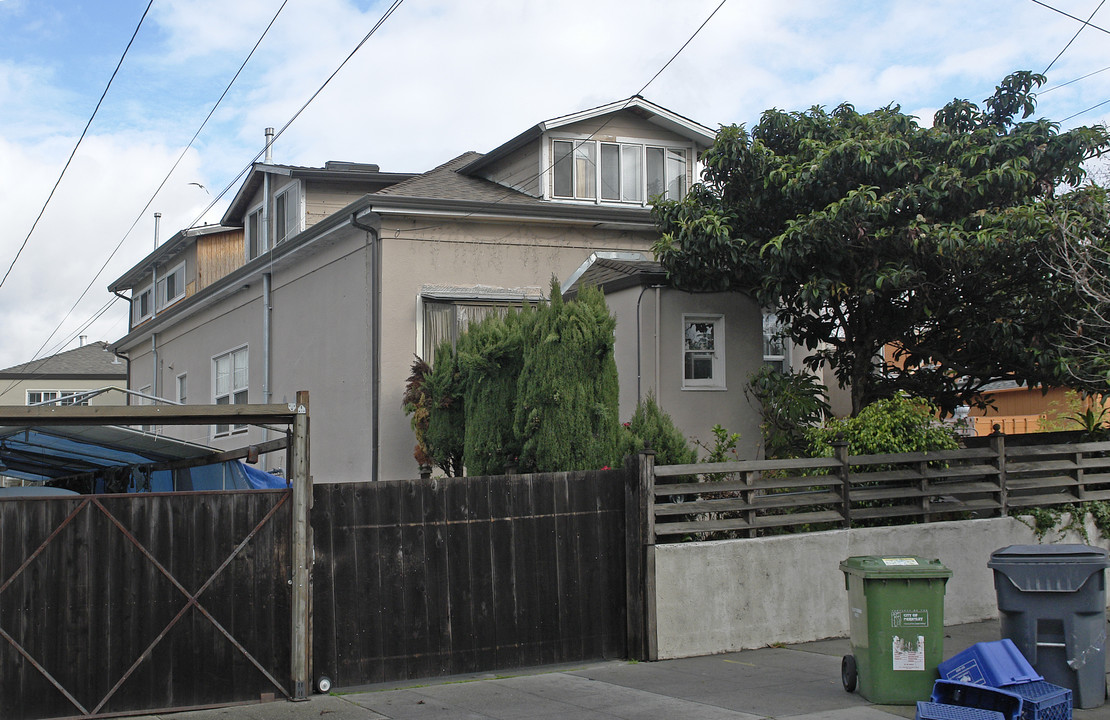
(788, 403)
(868, 230)
(446, 432)
(893, 425)
(490, 357)
(566, 412)
(1079, 412)
(723, 448)
(652, 428)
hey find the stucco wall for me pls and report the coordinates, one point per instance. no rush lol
(716, 597)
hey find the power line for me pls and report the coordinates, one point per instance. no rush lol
(165, 179)
(1081, 20)
(1069, 82)
(1073, 37)
(1081, 112)
(83, 132)
(688, 41)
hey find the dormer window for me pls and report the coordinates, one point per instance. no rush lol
(287, 214)
(171, 286)
(142, 305)
(617, 172)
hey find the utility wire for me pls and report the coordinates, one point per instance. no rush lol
(83, 132)
(688, 41)
(385, 16)
(1069, 82)
(1081, 112)
(161, 185)
(1085, 22)
(1073, 37)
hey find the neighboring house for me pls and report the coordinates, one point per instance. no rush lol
(343, 274)
(89, 367)
(694, 351)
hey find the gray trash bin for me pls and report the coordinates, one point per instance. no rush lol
(1052, 605)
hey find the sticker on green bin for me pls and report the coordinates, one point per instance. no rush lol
(909, 618)
(908, 654)
(900, 561)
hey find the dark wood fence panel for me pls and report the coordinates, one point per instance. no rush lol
(439, 577)
(115, 604)
(759, 497)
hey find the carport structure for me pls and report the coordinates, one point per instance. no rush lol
(115, 604)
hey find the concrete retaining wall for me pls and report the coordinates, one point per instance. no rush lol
(728, 595)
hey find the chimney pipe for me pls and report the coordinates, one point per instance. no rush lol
(82, 339)
(269, 145)
(157, 222)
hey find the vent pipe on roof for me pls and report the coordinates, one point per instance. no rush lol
(81, 339)
(157, 223)
(269, 145)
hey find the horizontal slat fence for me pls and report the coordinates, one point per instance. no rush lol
(421, 578)
(763, 497)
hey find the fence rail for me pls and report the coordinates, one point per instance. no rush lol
(761, 497)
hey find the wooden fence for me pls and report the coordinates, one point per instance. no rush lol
(419, 578)
(756, 498)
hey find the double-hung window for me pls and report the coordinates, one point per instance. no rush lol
(703, 352)
(67, 397)
(616, 172)
(230, 373)
(287, 213)
(142, 305)
(774, 343)
(171, 286)
(256, 237)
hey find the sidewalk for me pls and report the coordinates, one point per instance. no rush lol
(801, 682)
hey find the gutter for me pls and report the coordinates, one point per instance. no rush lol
(374, 237)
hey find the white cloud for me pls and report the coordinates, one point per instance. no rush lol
(438, 78)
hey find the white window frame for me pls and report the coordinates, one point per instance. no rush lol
(163, 298)
(231, 397)
(248, 235)
(626, 148)
(292, 219)
(716, 380)
(137, 314)
(181, 388)
(780, 361)
(54, 395)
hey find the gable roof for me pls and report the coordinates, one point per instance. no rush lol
(637, 105)
(92, 361)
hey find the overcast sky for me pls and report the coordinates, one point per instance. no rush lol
(439, 77)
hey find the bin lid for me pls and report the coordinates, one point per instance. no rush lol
(894, 567)
(1048, 568)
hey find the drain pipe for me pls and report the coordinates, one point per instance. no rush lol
(154, 353)
(374, 238)
(267, 354)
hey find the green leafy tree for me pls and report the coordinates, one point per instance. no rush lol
(490, 359)
(651, 427)
(566, 412)
(417, 403)
(789, 402)
(868, 230)
(446, 431)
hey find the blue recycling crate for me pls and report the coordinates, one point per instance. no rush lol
(970, 695)
(996, 664)
(1043, 701)
(940, 711)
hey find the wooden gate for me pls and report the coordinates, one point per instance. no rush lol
(113, 604)
(439, 577)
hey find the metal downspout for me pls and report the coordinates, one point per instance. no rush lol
(267, 353)
(154, 352)
(375, 240)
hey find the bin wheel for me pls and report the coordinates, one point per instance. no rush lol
(323, 684)
(848, 674)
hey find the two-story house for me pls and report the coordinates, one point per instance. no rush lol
(332, 279)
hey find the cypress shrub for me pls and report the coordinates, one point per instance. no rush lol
(651, 427)
(490, 357)
(446, 429)
(566, 411)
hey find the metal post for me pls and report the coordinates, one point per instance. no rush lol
(302, 551)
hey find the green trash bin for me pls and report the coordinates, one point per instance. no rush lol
(896, 619)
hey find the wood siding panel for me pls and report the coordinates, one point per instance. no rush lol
(218, 255)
